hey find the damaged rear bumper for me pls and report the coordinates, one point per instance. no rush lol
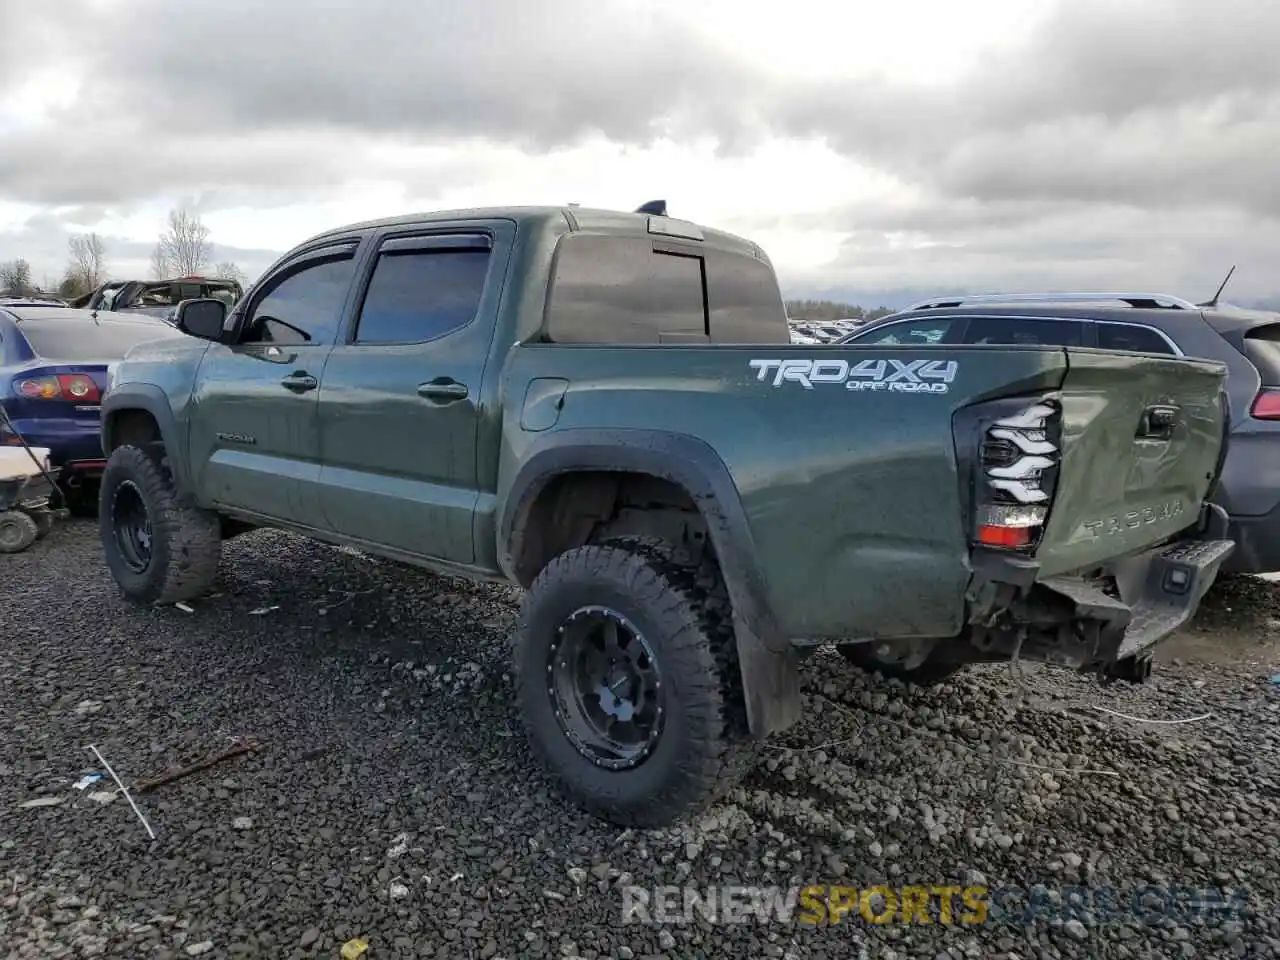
(1109, 620)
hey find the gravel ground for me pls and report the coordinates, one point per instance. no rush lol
(391, 798)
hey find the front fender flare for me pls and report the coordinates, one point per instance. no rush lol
(767, 660)
(152, 400)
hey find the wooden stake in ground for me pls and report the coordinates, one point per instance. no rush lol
(241, 746)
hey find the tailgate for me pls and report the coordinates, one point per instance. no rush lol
(1140, 449)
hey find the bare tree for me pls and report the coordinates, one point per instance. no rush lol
(159, 263)
(228, 270)
(184, 248)
(15, 278)
(88, 266)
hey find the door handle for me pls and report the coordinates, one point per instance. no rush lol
(442, 390)
(300, 382)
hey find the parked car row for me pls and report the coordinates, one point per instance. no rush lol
(50, 333)
(1247, 341)
(828, 331)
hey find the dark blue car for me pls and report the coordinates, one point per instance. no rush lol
(53, 371)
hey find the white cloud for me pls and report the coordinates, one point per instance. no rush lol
(914, 145)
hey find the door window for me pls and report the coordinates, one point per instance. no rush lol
(1010, 331)
(419, 295)
(304, 306)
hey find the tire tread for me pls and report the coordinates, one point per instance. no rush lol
(191, 536)
(692, 604)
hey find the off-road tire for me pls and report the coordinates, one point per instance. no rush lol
(683, 613)
(17, 531)
(930, 673)
(186, 545)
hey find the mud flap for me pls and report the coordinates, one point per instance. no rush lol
(770, 683)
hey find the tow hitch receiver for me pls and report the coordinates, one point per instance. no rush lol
(1130, 670)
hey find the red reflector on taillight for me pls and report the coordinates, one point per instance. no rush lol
(1267, 405)
(77, 386)
(993, 536)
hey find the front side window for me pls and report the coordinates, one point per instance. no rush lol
(305, 307)
(419, 295)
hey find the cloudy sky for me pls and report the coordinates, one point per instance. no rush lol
(877, 150)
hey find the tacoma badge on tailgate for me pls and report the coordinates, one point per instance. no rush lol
(1108, 526)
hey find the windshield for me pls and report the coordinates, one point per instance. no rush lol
(77, 341)
(109, 295)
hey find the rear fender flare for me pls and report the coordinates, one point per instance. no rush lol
(766, 658)
(151, 399)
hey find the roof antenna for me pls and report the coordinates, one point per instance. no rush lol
(1214, 301)
(655, 208)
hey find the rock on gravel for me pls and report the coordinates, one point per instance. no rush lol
(392, 799)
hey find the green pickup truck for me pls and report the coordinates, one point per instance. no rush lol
(605, 408)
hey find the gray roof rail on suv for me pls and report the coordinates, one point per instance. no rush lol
(1144, 301)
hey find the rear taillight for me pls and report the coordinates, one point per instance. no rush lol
(1015, 472)
(1266, 406)
(75, 387)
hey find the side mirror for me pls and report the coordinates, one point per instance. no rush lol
(201, 318)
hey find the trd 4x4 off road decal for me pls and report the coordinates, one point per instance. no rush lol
(896, 376)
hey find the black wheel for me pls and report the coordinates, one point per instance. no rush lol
(17, 532)
(159, 548)
(866, 657)
(627, 679)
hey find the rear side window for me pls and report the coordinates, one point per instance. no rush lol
(1262, 347)
(744, 300)
(913, 333)
(1120, 336)
(423, 294)
(1011, 331)
(625, 290)
(74, 341)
